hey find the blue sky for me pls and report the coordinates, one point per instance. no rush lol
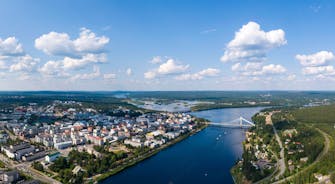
(167, 45)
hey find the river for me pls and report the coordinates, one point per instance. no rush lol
(205, 157)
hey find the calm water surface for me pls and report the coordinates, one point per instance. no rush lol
(198, 159)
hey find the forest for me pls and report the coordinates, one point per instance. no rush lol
(219, 99)
(90, 164)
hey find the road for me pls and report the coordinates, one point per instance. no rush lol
(266, 179)
(26, 168)
(281, 161)
(268, 119)
(324, 151)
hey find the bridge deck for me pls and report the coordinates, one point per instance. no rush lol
(230, 125)
(235, 123)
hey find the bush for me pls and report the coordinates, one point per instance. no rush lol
(38, 166)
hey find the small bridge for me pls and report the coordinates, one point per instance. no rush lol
(239, 122)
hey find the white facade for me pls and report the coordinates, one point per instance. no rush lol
(52, 157)
(9, 153)
(63, 145)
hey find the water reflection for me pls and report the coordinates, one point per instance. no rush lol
(201, 158)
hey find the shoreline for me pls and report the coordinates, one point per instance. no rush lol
(101, 177)
(199, 107)
(104, 176)
(232, 107)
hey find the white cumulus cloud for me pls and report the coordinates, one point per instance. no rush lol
(58, 68)
(255, 69)
(150, 75)
(73, 63)
(324, 70)
(170, 67)
(87, 76)
(24, 64)
(273, 69)
(251, 43)
(14, 59)
(209, 72)
(317, 64)
(77, 53)
(55, 43)
(316, 59)
(10, 47)
(156, 59)
(88, 42)
(60, 44)
(291, 77)
(52, 68)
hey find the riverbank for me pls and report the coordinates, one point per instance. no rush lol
(291, 165)
(237, 175)
(198, 108)
(258, 140)
(205, 157)
(190, 106)
(102, 177)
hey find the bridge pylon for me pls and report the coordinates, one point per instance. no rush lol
(238, 123)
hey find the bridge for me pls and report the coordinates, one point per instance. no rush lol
(239, 122)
